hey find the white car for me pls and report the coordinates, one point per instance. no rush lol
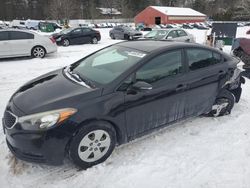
(16, 43)
(175, 34)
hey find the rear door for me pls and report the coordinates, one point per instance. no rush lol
(87, 35)
(119, 33)
(5, 48)
(183, 36)
(206, 70)
(172, 35)
(21, 42)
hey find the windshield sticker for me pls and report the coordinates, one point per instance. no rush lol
(136, 54)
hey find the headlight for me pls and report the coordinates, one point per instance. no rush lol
(45, 120)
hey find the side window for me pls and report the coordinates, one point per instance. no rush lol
(201, 58)
(4, 36)
(181, 33)
(172, 34)
(166, 65)
(77, 31)
(18, 35)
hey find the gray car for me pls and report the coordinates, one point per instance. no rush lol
(176, 34)
(124, 32)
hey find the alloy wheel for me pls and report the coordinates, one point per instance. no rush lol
(38, 52)
(94, 145)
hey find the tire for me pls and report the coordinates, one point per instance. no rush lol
(92, 145)
(223, 104)
(65, 42)
(126, 37)
(38, 52)
(94, 40)
(112, 36)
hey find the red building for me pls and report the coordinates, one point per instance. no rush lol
(166, 15)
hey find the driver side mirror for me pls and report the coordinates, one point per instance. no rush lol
(141, 86)
(169, 37)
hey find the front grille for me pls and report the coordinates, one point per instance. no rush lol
(9, 119)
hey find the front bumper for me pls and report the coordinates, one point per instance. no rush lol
(40, 147)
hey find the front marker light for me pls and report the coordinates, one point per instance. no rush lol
(45, 120)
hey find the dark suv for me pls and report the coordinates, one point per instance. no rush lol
(124, 32)
(115, 95)
(79, 35)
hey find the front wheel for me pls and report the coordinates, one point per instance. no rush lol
(38, 52)
(65, 42)
(223, 104)
(92, 145)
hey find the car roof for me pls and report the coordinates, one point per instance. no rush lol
(22, 30)
(151, 45)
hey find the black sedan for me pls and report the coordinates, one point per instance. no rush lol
(115, 95)
(79, 35)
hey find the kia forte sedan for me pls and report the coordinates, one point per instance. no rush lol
(115, 95)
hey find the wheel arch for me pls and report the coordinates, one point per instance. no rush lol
(38, 45)
(120, 137)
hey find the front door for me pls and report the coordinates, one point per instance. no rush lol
(76, 36)
(165, 102)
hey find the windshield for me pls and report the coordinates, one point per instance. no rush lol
(157, 34)
(65, 31)
(106, 65)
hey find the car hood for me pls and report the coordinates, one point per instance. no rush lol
(52, 91)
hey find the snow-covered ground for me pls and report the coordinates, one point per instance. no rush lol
(199, 152)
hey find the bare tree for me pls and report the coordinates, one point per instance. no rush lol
(65, 9)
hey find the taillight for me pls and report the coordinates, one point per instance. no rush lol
(52, 40)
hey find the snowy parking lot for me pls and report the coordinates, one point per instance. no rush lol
(199, 152)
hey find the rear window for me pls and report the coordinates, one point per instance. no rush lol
(3, 35)
(18, 35)
(201, 58)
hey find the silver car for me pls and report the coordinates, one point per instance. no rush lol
(176, 34)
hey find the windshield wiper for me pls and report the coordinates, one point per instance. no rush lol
(75, 77)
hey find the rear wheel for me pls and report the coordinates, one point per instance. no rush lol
(38, 52)
(92, 145)
(94, 40)
(126, 37)
(223, 104)
(112, 36)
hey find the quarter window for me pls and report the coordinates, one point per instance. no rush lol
(86, 30)
(181, 33)
(172, 34)
(166, 65)
(201, 58)
(17, 35)
(4, 35)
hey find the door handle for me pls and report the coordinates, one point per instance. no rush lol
(181, 87)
